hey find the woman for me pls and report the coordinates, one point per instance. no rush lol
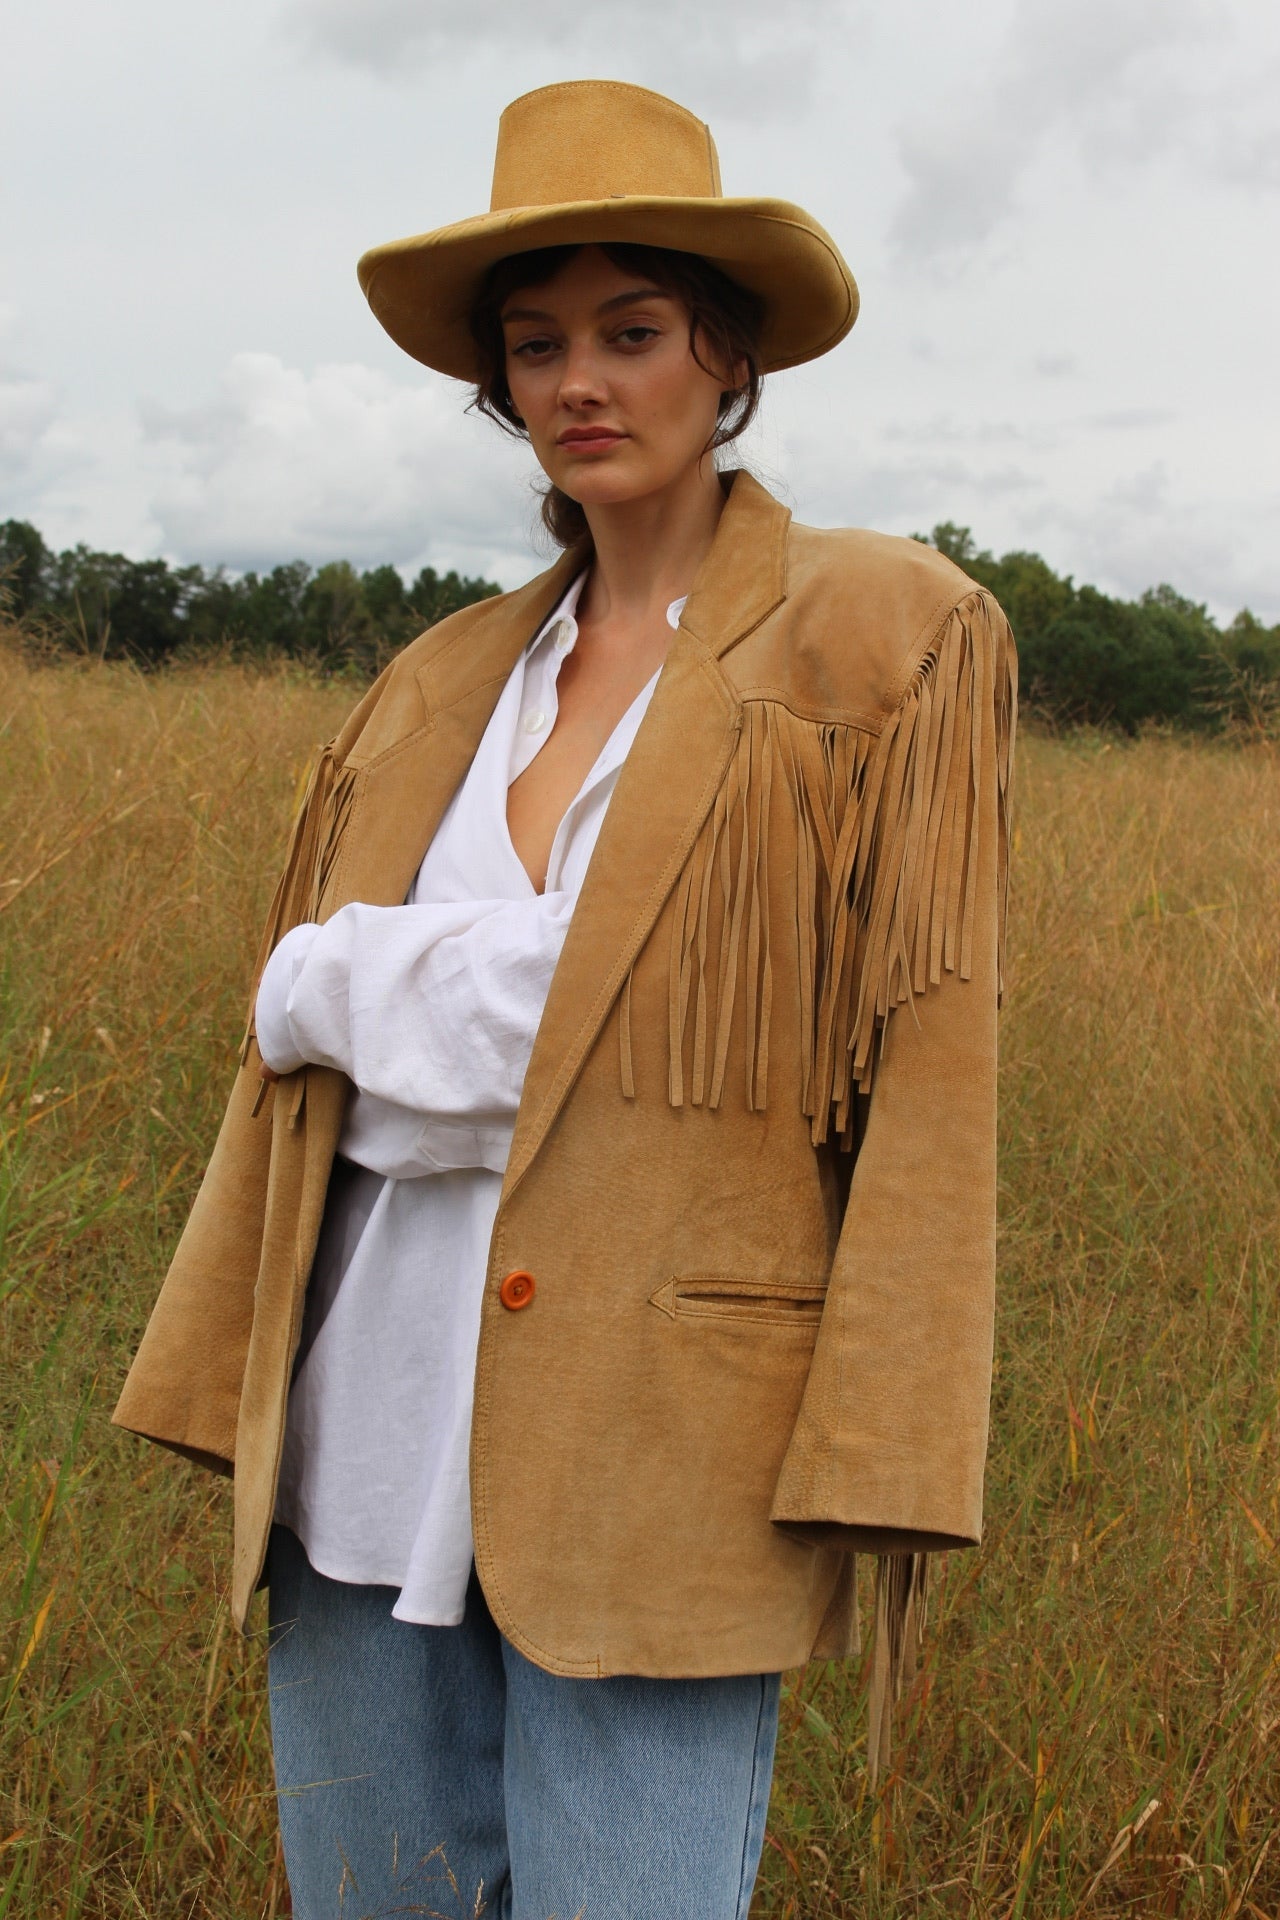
(626, 1027)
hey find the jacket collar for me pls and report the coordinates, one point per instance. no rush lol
(414, 735)
(741, 581)
(665, 790)
(487, 648)
(744, 576)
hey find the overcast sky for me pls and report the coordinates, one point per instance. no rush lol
(1063, 216)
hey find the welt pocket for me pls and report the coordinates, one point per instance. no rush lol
(722, 1296)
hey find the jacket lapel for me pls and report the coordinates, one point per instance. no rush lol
(422, 735)
(665, 790)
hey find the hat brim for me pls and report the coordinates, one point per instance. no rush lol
(422, 289)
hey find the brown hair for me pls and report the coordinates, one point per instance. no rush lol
(728, 318)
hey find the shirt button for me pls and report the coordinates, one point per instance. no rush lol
(517, 1290)
(564, 637)
(535, 720)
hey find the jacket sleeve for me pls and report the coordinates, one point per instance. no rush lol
(184, 1386)
(888, 1450)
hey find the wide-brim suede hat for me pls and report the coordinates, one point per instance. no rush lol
(597, 160)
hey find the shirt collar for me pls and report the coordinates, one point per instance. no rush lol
(565, 614)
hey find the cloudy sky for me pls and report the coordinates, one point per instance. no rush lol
(1063, 215)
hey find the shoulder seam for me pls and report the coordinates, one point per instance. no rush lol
(930, 632)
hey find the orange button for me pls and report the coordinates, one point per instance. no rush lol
(517, 1289)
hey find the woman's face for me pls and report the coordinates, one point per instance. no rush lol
(601, 372)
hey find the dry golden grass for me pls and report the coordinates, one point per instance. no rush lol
(1095, 1726)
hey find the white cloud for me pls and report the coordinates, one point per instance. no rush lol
(342, 462)
(1123, 522)
(28, 409)
(743, 55)
(1110, 171)
(1144, 530)
(949, 430)
(1241, 140)
(348, 461)
(1130, 419)
(1089, 70)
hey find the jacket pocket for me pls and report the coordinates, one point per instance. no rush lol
(723, 1296)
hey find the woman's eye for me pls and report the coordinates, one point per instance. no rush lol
(637, 335)
(535, 349)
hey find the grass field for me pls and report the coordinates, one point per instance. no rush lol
(1096, 1726)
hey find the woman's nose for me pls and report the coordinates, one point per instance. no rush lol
(582, 383)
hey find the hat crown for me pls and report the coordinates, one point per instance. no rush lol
(585, 140)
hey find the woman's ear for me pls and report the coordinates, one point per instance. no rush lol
(740, 375)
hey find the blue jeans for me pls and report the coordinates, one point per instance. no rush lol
(436, 1771)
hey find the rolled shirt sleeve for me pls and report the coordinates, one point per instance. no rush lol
(429, 1010)
(275, 1038)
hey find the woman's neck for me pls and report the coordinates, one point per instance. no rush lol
(648, 551)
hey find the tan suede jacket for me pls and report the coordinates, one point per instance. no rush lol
(753, 1173)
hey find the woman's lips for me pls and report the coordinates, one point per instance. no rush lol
(595, 442)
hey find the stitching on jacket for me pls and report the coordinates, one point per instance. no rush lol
(738, 638)
(494, 680)
(746, 1302)
(397, 747)
(817, 714)
(899, 686)
(478, 611)
(446, 706)
(443, 648)
(764, 1317)
(768, 1288)
(401, 745)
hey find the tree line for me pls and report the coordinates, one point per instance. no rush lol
(1085, 656)
(332, 617)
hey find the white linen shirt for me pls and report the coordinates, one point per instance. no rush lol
(431, 1010)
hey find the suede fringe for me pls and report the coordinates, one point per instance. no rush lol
(886, 872)
(902, 1582)
(742, 882)
(313, 849)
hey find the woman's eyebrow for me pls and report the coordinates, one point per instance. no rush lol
(631, 296)
(626, 299)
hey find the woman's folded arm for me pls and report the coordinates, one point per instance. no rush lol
(429, 1009)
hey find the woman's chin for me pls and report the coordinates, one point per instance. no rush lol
(606, 484)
